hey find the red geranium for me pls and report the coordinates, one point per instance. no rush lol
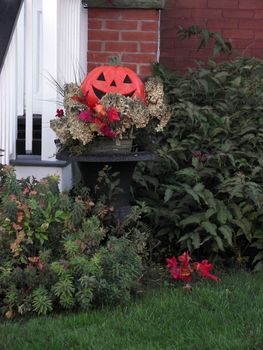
(203, 269)
(181, 268)
(184, 258)
(172, 262)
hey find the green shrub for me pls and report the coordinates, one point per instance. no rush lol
(56, 252)
(205, 193)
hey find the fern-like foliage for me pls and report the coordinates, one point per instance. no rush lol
(78, 213)
(64, 291)
(42, 303)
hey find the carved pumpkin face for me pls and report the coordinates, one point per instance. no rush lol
(111, 79)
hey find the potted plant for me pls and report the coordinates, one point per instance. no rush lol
(112, 104)
(102, 118)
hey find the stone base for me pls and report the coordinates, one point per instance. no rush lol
(40, 169)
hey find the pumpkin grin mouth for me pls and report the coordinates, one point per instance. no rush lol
(100, 93)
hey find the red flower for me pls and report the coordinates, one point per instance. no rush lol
(60, 113)
(106, 131)
(82, 99)
(100, 123)
(183, 271)
(100, 109)
(180, 273)
(203, 269)
(175, 272)
(113, 114)
(86, 117)
(171, 262)
(184, 258)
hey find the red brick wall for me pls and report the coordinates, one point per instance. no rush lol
(241, 21)
(130, 33)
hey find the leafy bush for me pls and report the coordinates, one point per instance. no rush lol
(220, 45)
(205, 193)
(57, 252)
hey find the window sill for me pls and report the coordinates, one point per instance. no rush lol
(143, 4)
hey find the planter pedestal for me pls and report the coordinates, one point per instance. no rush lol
(123, 163)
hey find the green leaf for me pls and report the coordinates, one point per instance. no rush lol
(192, 193)
(222, 212)
(185, 237)
(209, 227)
(245, 227)
(33, 204)
(237, 211)
(168, 194)
(192, 219)
(196, 240)
(195, 162)
(199, 187)
(227, 233)
(210, 212)
(152, 180)
(237, 81)
(219, 243)
(217, 49)
(209, 199)
(258, 257)
(258, 267)
(205, 85)
(206, 36)
(191, 172)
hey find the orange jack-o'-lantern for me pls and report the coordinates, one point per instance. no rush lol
(111, 79)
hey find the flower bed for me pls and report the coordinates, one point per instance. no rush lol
(63, 252)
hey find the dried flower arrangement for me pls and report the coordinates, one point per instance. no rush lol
(114, 116)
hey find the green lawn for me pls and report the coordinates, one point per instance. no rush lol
(213, 316)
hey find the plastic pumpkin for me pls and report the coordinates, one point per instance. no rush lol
(111, 79)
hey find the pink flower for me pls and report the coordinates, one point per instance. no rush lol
(203, 268)
(60, 113)
(86, 117)
(106, 131)
(113, 114)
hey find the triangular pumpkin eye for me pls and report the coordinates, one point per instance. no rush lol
(101, 77)
(127, 80)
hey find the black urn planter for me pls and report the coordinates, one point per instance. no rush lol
(123, 163)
